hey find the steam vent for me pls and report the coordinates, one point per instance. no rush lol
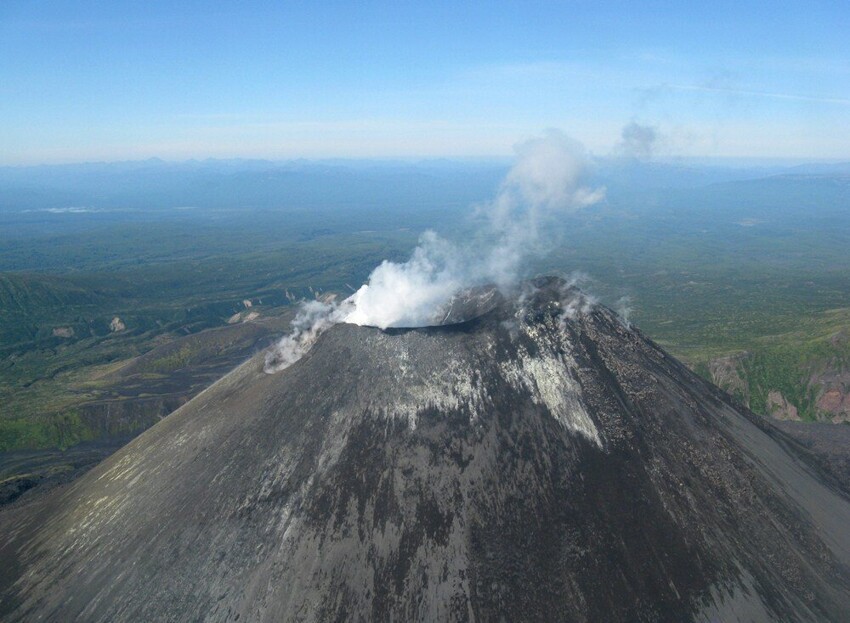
(538, 461)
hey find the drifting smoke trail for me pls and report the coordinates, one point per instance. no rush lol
(311, 321)
(544, 182)
(638, 141)
(624, 310)
(410, 294)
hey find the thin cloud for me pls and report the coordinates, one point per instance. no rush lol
(841, 101)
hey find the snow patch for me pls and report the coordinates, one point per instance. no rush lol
(546, 376)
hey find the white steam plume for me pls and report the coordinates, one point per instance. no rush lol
(408, 294)
(638, 141)
(312, 319)
(545, 181)
(624, 310)
(575, 302)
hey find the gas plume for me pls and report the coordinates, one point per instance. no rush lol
(638, 141)
(313, 318)
(544, 182)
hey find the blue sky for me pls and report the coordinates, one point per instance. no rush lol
(124, 80)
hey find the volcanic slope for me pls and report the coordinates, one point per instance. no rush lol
(539, 462)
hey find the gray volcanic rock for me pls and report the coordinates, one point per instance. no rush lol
(536, 463)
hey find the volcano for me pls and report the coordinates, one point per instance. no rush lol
(537, 461)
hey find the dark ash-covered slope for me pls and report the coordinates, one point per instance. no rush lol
(539, 462)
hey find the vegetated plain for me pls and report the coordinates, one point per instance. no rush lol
(126, 288)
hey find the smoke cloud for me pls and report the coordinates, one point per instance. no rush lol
(638, 141)
(624, 310)
(574, 302)
(544, 182)
(313, 318)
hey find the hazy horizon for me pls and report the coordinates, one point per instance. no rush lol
(94, 82)
(742, 162)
